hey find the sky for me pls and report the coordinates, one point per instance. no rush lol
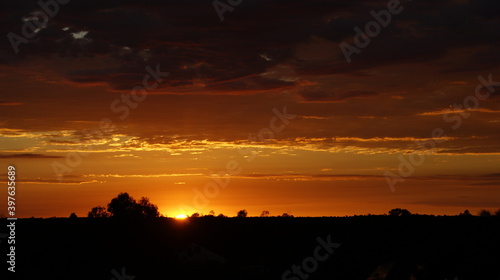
(312, 108)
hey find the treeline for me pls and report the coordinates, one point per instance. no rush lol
(124, 206)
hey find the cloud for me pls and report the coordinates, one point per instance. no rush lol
(6, 103)
(311, 177)
(28, 156)
(454, 111)
(313, 117)
(472, 180)
(55, 181)
(12, 132)
(68, 180)
(141, 175)
(226, 77)
(322, 95)
(188, 40)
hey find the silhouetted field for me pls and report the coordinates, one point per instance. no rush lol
(423, 247)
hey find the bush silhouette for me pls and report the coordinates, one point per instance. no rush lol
(466, 213)
(98, 212)
(242, 214)
(398, 212)
(484, 213)
(195, 215)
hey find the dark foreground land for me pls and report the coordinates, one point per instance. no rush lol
(415, 247)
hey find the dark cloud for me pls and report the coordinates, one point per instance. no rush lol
(187, 39)
(28, 156)
(332, 96)
(52, 141)
(7, 103)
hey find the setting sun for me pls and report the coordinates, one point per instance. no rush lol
(181, 216)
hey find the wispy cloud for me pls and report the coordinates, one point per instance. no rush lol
(6, 103)
(454, 111)
(488, 179)
(28, 156)
(141, 175)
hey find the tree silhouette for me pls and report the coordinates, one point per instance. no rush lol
(242, 214)
(398, 212)
(497, 213)
(148, 209)
(125, 206)
(98, 212)
(265, 213)
(484, 213)
(73, 216)
(466, 213)
(195, 215)
(286, 215)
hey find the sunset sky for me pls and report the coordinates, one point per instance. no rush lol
(271, 69)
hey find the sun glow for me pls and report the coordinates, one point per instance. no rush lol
(181, 216)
